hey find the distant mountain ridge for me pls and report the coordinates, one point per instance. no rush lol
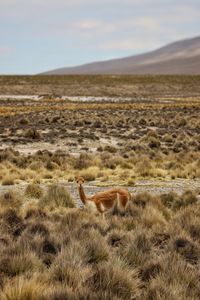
(181, 57)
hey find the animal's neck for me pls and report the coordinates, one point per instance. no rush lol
(82, 194)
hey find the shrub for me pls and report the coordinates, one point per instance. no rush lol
(144, 167)
(150, 270)
(8, 180)
(32, 134)
(131, 182)
(19, 264)
(57, 196)
(154, 143)
(69, 267)
(84, 161)
(38, 228)
(170, 199)
(10, 199)
(168, 138)
(112, 278)
(34, 191)
(187, 198)
(181, 122)
(22, 288)
(35, 213)
(14, 223)
(23, 121)
(36, 165)
(97, 250)
(90, 174)
(110, 149)
(50, 165)
(187, 249)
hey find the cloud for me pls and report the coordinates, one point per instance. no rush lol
(128, 44)
(115, 25)
(62, 32)
(93, 25)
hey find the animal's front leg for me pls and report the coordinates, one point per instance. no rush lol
(101, 209)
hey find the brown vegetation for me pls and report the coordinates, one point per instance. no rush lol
(50, 248)
(150, 252)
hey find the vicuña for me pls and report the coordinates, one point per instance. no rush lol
(104, 201)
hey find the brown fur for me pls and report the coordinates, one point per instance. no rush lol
(104, 201)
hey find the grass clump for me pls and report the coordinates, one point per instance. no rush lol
(116, 281)
(24, 121)
(10, 199)
(34, 191)
(97, 250)
(32, 134)
(8, 180)
(57, 196)
(22, 288)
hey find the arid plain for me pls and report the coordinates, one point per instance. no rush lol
(137, 132)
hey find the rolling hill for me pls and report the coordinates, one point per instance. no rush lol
(181, 57)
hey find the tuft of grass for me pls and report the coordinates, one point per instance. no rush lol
(32, 134)
(22, 288)
(34, 191)
(13, 222)
(116, 281)
(24, 121)
(57, 196)
(69, 267)
(20, 264)
(97, 250)
(10, 199)
(131, 182)
(8, 180)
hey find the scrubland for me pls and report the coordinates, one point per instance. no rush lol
(102, 85)
(53, 249)
(109, 142)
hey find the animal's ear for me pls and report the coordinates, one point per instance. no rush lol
(83, 180)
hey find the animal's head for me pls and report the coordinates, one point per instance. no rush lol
(79, 180)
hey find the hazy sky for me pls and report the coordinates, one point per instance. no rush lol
(39, 35)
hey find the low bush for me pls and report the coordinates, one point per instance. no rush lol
(34, 191)
(57, 196)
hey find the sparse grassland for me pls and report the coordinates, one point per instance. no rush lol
(122, 142)
(100, 85)
(50, 248)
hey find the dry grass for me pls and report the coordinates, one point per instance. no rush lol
(126, 169)
(151, 252)
(57, 196)
(50, 249)
(34, 191)
(101, 85)
(144, 138)
(8, 180)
